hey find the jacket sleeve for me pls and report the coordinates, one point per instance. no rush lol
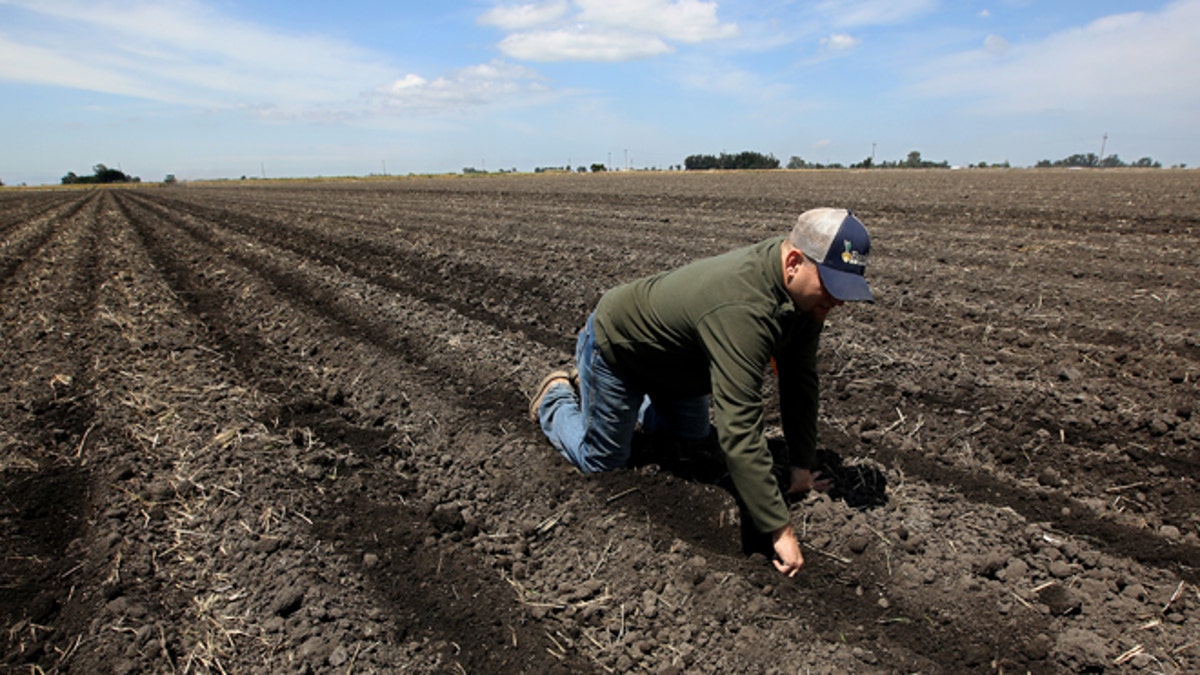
(799, 392)
(737, 370)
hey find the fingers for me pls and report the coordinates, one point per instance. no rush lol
(820, 482)
(789, 570)
(788, 558)
(801, 481)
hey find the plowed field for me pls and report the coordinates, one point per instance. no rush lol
(282, 428)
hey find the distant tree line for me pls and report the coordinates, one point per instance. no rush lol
(796, 162)
(755, 160)
(468, 170)
(913, 161)
(101, 174)
(596, 168)
(749, 159)
(742, 160)
(1091, 159)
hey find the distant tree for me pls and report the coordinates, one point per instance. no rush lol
(755, 160)
(796, 162)
(746, 159)
(599, 168)
(914, 161)
(1090, 159)
(1080, 160)
(104, 174)
(170, 179)
(101, 174)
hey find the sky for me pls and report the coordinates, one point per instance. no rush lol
(287, 88)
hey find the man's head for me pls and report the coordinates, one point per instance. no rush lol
(839, 244)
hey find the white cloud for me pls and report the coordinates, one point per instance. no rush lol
(994, 44)
(579, 44)
(855, 13)
(522, 17)
(409, 82)
(840, 42)
(606, 30)
(38, 65)
(187, 53)
(1137, 63)
(180, 52)
(689, 21)
(490, 84)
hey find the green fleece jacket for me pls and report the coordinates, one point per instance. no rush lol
(712, 327)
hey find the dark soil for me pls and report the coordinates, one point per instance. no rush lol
(282, 427)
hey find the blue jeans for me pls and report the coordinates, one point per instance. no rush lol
(594, 428)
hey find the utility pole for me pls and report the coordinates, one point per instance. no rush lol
(1103, 142)
(383, 162)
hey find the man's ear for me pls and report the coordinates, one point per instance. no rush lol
(793, 260)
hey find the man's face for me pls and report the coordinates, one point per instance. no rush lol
(804, 285)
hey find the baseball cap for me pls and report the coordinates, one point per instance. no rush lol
(839, 244)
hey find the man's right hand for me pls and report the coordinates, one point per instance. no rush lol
(788, 558)
(804, 480)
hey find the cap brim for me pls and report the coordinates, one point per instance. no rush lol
(845, 286)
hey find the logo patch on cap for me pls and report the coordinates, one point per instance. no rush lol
(852, 257)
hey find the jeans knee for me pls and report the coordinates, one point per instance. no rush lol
(593, 463)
